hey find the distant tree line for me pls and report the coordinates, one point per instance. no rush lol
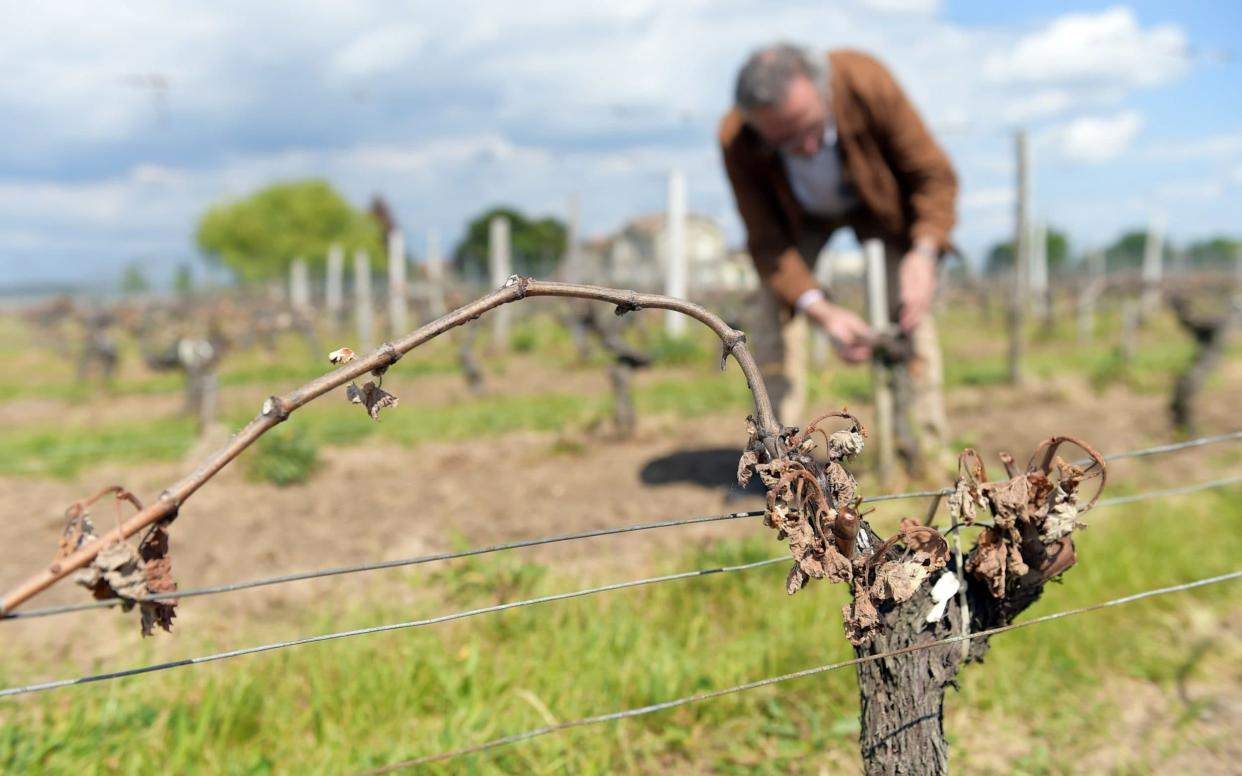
(259, 236)
(1126, 252)
(537, 244)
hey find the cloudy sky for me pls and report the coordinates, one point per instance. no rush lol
(123, 121)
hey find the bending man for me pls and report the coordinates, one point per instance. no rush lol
(814, 143)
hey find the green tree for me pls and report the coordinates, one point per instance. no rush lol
(259, 236)
(183, 280)
(134, 280)
(1127, 251)
(538, 244)
(1000, 256)
(1214, 250)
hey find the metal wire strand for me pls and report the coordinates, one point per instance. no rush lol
(41, 686)
(376, 566)
(499, 607)
(1195, 488)
(1175, 446)
(502, 607)
(642, 710)
(362, 567)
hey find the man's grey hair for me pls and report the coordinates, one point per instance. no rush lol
(763, 82)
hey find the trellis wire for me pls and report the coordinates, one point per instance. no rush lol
(41, 686)
(379, 565)
(594, 533)
(643, 710)
(499, 607)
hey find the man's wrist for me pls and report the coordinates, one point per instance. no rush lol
(821, 311)
(927, 247)
(808, 298)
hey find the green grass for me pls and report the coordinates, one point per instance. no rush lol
(62, 451)
(333, 421)
(362, 702)
(284, 456)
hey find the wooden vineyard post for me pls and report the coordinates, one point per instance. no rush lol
(397, 290)
(1017, 302)
(1127, 344)
(1153, 269)
(364, 314)
(299, 287)
(675, 279)
(500, 267)
(334, 283)
(1039, 269)
(1088, 294)
(571, 266)
(881, 373)
(434, 267)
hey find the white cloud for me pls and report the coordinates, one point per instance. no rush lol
(913, 7)
(378, 52)
(78, 73)
(1108, 47)
(1043, 104)
(995, 198)
(1098, 139)
(1214, 147)
(1191, 188)
(447, 108)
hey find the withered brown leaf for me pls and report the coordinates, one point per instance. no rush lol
(158, 567)
(341, 356)
(899, 580)
(796, 579)
(376, 399)
(745, 467)
(861, 617)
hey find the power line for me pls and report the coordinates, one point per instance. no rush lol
(419, 560)
(382, 628)
(642, 710)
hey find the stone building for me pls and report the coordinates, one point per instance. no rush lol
(635, 256)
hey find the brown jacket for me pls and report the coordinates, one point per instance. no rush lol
(899, 172)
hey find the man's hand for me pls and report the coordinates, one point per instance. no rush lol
(849, 334)
(916, 277)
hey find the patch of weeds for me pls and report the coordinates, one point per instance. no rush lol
(523, 340)
(568, 446)
(676, 350)
(494, 579)
(1113, 368)
(283, 457)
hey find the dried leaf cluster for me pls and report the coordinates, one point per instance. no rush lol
(120, 570)
(893, 572)
(814, 506)
(1032, 515)
(370, 395)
